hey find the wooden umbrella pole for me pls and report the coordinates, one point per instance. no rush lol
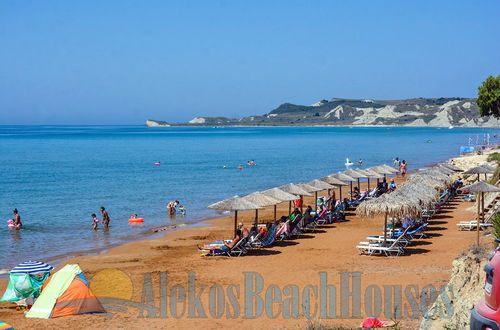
(385, 228)
(316, 200)
(289, 207)
(301, 203)
(235, 222)
(358, 184)
(340, 192)
(274, 212)
(256, 217)
(368, 184)
(351, 190)
(482, 207)
(478, 215)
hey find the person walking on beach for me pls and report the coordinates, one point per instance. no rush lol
(105, 217)
(95, 221)
(403, 167)
(17, 219)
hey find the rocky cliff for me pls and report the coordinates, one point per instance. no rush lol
(440, 112)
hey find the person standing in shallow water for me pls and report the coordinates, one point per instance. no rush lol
(105, 217)
(17, 219)
(403, 168)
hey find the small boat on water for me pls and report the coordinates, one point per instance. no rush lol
(348, 162)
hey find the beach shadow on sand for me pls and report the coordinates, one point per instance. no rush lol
(433, 234)
(302, 237)
(285, 243)
(417, 243)
(411, 251)
(263, 252)
(434, 229)
(442, 216)
(316, 231)
(432, 223)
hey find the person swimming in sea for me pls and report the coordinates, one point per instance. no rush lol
(240, 167)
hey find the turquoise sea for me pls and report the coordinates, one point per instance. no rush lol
(58, 175)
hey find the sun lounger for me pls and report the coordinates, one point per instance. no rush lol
(378, 248)
(268, 240)
(472, 225)
(237, 250)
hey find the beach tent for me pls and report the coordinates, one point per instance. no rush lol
(67, 292)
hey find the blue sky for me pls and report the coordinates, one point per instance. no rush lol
(121, 62)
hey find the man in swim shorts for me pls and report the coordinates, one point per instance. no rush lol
(105, 217)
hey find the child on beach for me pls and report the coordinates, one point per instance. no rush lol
(182, 210)
(95, 221)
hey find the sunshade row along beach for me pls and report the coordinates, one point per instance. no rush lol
(421, 191)
(290, 192)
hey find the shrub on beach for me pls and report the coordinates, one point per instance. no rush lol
(496, 228)
(494, 157)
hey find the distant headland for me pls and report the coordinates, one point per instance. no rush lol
(418, 112)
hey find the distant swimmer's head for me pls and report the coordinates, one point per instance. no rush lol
(15, 211)
(102, 208)
(93, 215)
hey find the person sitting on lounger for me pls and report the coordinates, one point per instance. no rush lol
(244, 230)
(308, 216)
(392, 185)
(223, 247)
(294, 214)
(355, 194)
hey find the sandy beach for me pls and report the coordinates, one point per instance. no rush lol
(308, 260)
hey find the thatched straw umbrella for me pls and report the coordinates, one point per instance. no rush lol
(443, 169)
(234, 204)
(389, 168)
(481, 187)
(309, 189)
(382, 170)
(389, 205)
(452, 167)
(336, 182)
(321, 185)
(295, 190)
(281, 195)
(372, 174)
(344, 177)
(355, 174)
(478, 170)
(261, 200)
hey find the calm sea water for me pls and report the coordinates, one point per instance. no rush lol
(58, 175)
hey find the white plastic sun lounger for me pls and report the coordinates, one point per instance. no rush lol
(378, 248)
(472, 225)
